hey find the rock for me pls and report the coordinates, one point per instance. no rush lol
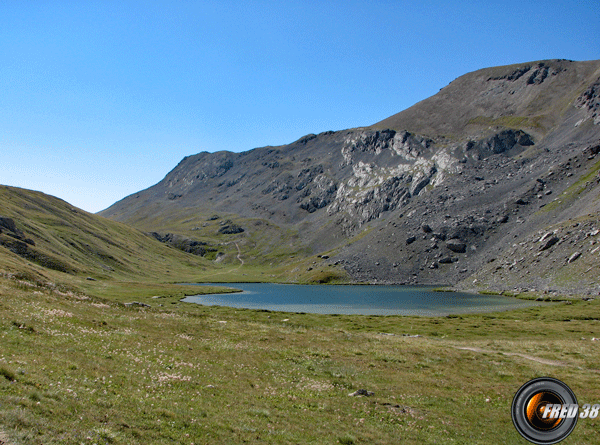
(456, 246)
(446, 260)
(426, 228)
(439, 236)
(361, 392)
(8, 223)
(136, 303)
(574, 257)
(594, 150)
(503, 219)
(521, 202)
(508, 139)
(90, 279)
(551, 242)
(182, 243)
(231, 229)
(411, 239)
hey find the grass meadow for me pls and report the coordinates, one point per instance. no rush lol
(79, 367)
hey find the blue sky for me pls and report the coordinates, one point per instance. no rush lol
(100, 99)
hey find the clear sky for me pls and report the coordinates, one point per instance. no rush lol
(100, 99)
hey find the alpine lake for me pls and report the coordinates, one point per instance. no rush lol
(356, 299)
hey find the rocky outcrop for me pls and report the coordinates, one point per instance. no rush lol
(318, 189)
(404, 144)
(398, 169)
(501, 142)
(366, 204)
(534, 74)
(15, 240)
(9, 228)
(8, 224)
(231, 229)
(589, 101)
(183, 243)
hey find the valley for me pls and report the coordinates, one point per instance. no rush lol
(490, 186)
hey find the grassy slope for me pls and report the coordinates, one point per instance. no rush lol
(269, 252)
(467, 107)
(86, 244)
(79, 369)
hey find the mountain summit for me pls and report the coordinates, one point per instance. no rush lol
(464, 187)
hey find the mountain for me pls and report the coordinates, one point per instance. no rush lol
(45, 238)
(449, 191)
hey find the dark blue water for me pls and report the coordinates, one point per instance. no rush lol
(365, 300)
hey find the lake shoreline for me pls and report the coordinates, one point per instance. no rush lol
(348, 299)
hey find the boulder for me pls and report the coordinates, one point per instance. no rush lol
(136, 303)
(361, 392)
(550, 242)
(456, 246)
(502, 219)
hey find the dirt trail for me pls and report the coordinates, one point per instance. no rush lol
(238, 256)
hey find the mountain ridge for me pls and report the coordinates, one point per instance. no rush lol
(478, 152)
(474, 88)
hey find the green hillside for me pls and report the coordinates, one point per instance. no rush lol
(53, 240)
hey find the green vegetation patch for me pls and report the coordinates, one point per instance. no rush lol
(513, 122)
(573, 192)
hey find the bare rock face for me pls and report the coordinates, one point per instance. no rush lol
(590, 102)
(501, 142)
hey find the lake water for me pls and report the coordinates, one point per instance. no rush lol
(356, 299)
